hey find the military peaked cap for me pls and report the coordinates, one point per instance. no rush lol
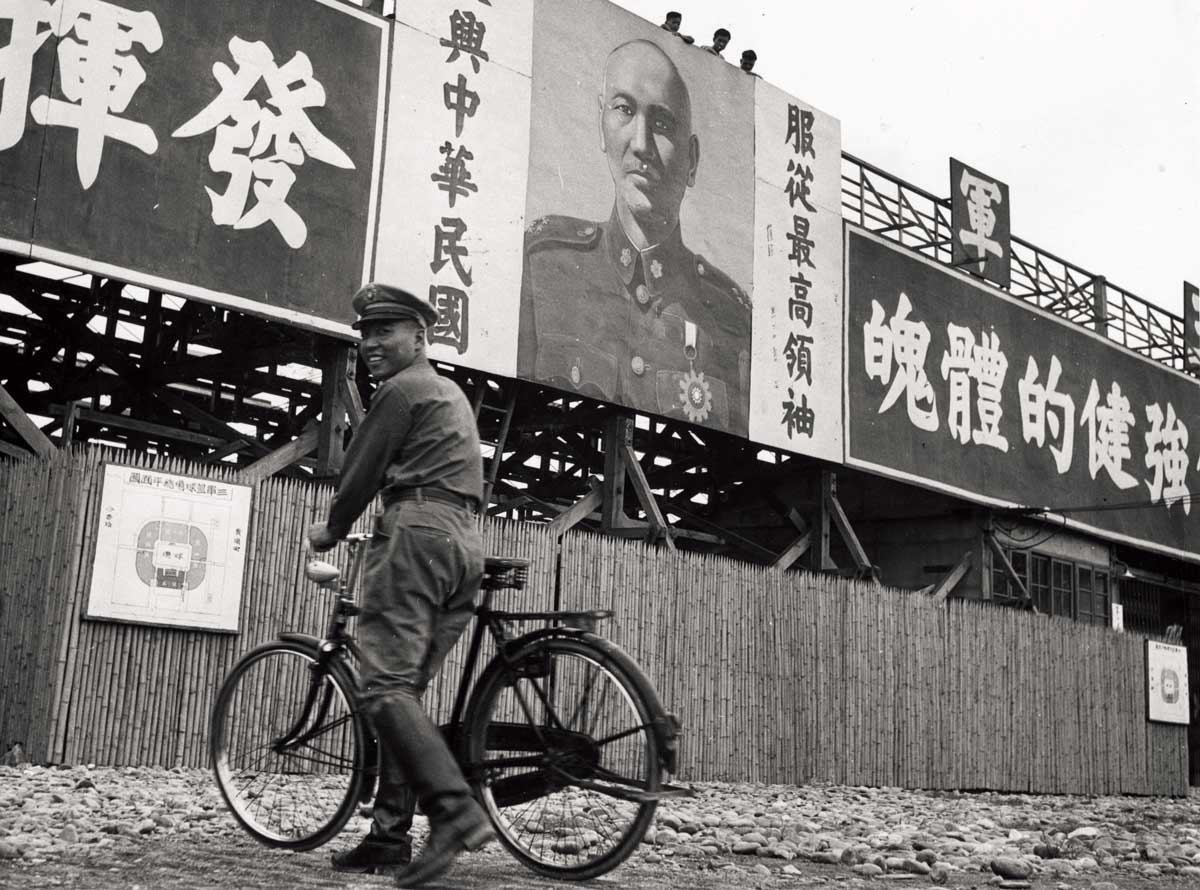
(380, 302)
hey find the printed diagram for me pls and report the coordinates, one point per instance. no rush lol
(169, 550)
(1167, 683)
(171, 555)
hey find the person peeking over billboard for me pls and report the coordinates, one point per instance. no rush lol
(621, 310)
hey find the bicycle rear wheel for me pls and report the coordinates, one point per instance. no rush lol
(287, 747)
(558, 752)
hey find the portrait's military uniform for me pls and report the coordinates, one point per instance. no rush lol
(661, 330)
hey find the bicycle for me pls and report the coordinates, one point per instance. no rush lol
(562, 738)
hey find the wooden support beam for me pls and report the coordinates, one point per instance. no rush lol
(284, 457)
(70, 413)
(644, 495)
(947, 584)
(337, 362)
(481, 389)
(998, 553)
(152, 330)
(13, 450)
(24, 426)
(493, 471)
(794, 551)
(618, 433)
(351, 397)
(580, 510)
(120, 421)
(834, 507)
(724, 535)
(225, 450)
(187, 409)
(823, 560)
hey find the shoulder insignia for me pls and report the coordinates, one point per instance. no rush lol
(713, 278)
(561, 231)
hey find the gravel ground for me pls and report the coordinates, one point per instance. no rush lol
(147, 828)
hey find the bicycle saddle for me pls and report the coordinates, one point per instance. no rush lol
(321, 572)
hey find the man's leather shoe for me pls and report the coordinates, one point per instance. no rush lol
(373, 857)
(443, 847)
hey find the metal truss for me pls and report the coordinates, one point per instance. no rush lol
(920, 221)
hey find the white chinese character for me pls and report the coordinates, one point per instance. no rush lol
(986, 365)
(905, 342)
(98, 77)
(254, 142)
(989, 368)
(1042, 406)
(24, 18)
(1108, 434)
(1166, 455)
(981, 194)
(956, 367)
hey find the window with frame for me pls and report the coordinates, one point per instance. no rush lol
(1057, 586)
(1003, 587)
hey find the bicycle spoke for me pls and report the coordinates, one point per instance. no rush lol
(291, 794)
(625, 733)
(583, 699)
(593, 735)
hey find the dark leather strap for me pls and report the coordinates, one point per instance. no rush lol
(418, 494)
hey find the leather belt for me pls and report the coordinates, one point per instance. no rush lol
(441, 495)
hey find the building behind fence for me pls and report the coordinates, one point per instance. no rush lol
(778, 677)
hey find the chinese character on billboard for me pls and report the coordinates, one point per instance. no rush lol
(981, 224)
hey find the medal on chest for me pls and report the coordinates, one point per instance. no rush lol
(695, 393)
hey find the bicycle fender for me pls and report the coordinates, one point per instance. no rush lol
(666, 725)
(302, 639)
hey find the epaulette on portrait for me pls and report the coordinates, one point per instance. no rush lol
(717, 280)
(561, 231)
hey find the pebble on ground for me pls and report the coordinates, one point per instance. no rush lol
(1018, 839)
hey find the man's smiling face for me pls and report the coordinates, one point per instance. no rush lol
(388, 346)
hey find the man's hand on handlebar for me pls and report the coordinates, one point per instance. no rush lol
(320, 538)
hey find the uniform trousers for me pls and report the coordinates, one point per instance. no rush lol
(422, 574)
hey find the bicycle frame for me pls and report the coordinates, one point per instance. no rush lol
(339, 644)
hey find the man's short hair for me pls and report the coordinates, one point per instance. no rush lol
(721, 32)
(749, 54)
(674, 14)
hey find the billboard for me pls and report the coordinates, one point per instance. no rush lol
(453, 204)
(659, 223)
(226, 150)
(959, 387)
(588, 201)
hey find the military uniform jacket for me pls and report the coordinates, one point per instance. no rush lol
(660, 330)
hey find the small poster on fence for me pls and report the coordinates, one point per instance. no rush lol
(169, 550)
(1167, 682)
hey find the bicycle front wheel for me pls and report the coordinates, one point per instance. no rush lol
(559, 750)
(287, 747)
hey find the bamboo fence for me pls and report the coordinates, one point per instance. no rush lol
(777, 677)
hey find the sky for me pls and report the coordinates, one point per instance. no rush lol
(1089, 111)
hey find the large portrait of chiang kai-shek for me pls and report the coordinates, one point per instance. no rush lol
(620, 308)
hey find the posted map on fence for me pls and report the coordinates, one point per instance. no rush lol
(169, 550)
(1167, 696)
